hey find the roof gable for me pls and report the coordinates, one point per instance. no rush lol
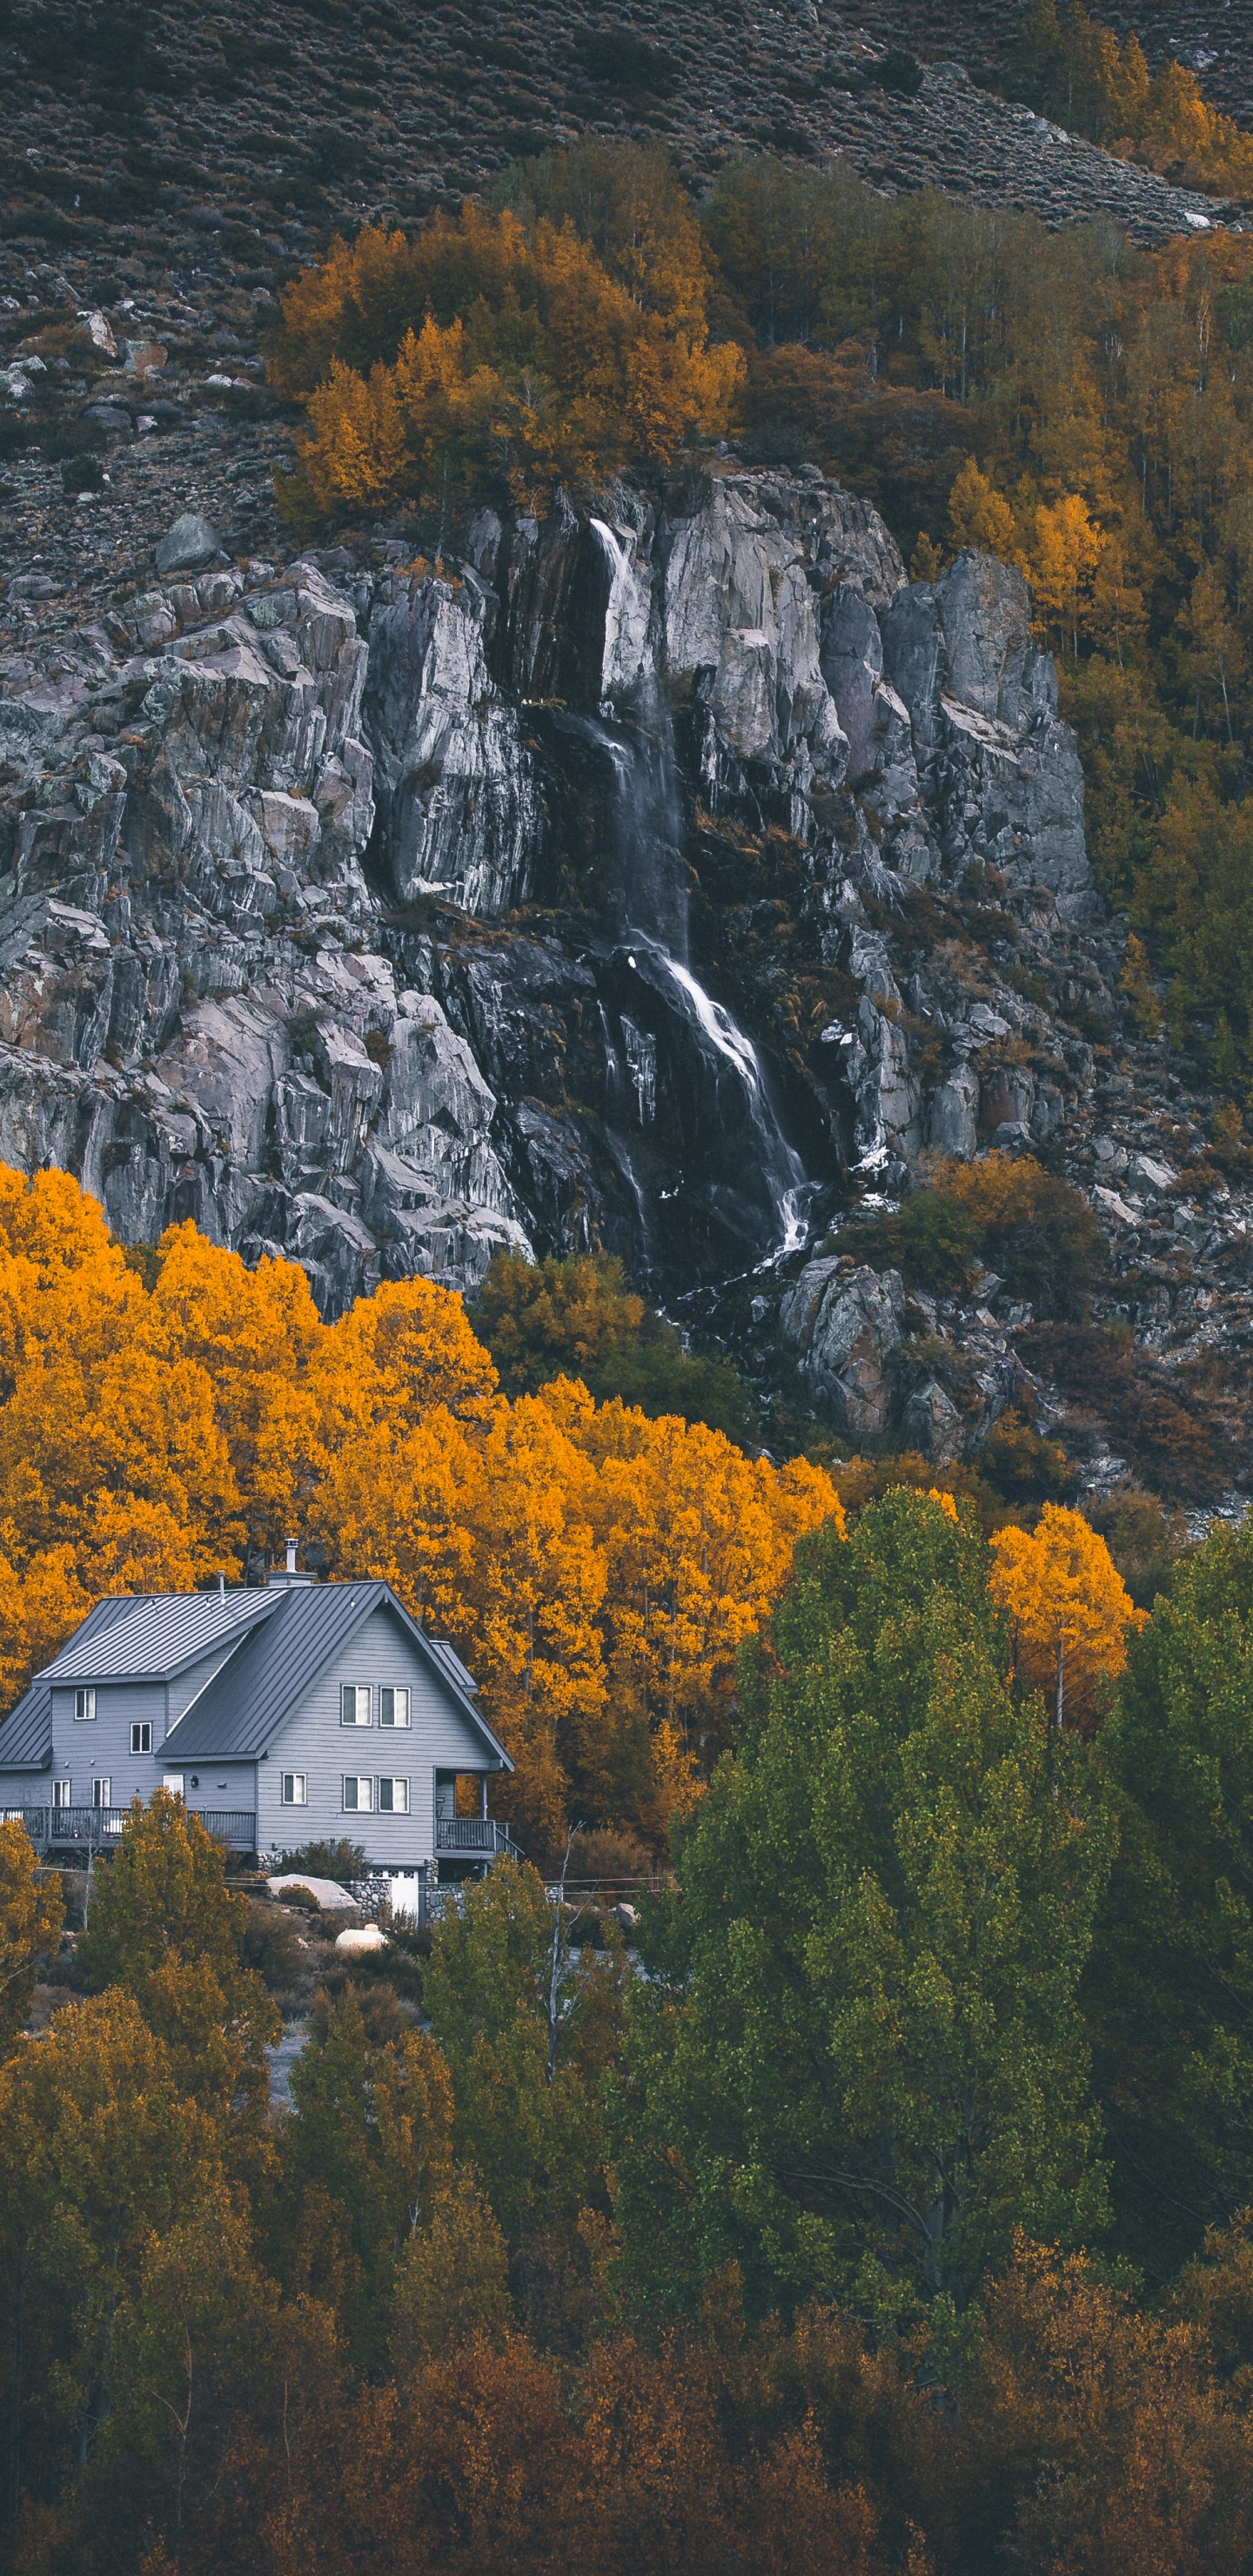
(263, 1682)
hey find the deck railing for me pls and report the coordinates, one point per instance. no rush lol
(35, 1819)
(94, 1828)
(471, 1834)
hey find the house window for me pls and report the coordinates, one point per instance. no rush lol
(141, 1735)
(354, 1704)
(393, 1708)
(62, 1795)
(173, 1781)
(358, 1796)
(85, 1704)
(102, 1793)
(393, 1797)
(295, 1789)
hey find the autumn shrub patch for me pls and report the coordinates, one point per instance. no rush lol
(499, 354)
(1007, 1213)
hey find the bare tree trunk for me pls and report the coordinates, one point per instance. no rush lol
(1061, 1676)
(554, 1981)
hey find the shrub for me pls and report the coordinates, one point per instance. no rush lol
(1035, 1231)
(578, 1318)
(491, 356)
(624, 61)
(606, 1855)
(1024, 1467)
(341, 1861)
(1038, 1232)
(82, 474)
(271, 1945)
(899, 71)
(1145, 1541)
(1170, 1434)
(931, 1240)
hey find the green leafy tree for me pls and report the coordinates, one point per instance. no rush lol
(527, 2050)
(452, 2280)
(165, 1925)
(363, 2164)
(1170, 1980)
(100, 2153)
(859, 2061)
(578, 1318)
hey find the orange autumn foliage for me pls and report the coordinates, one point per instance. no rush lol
(1068, 1607)
(489, 353)
(599, 1571)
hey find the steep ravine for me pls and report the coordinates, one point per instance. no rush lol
(661, 878)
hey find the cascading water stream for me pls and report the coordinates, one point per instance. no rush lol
(648, 823)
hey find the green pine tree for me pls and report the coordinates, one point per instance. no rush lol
(1171, 1975)
(859, 2063)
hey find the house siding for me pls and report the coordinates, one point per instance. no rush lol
(99, 1747)
(313, 1741)
(24, 1788)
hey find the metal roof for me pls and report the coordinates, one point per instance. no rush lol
(448, 1657)
(154, 1636)
(254, 1694)
(26, 1736)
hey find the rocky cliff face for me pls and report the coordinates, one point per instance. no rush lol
(261, 856)
(654, 879)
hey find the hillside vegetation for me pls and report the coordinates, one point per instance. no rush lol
(169, 1414)
(890, 2224)
(1081, 408)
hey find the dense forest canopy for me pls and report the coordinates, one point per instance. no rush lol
(890, 2223)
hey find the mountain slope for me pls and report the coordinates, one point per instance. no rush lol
(676, 884)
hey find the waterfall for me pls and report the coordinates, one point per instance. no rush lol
(636, 732)
(617, 1143)
(626, 660)
(780, 1162)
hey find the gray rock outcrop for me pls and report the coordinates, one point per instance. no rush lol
(845, 1323)
(248, 814)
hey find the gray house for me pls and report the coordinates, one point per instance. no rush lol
(297, 1714)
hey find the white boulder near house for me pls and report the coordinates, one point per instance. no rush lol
(304, 1712)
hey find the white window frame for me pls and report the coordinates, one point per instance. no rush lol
(401, 1707)
(84, 1703)
(102, 1793)
(393, 1805)
(357, 1805)
(141, 1735)
(62, 1796)
(294, 1789)
(357, 1695)
(174, 1782)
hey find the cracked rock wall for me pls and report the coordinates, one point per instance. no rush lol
(315, 884)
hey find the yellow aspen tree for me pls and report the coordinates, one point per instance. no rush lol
(1069, 1610)
(1066, 551)
(980, 516)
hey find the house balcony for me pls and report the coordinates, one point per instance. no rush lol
(96, 1828)
(474, 1838)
